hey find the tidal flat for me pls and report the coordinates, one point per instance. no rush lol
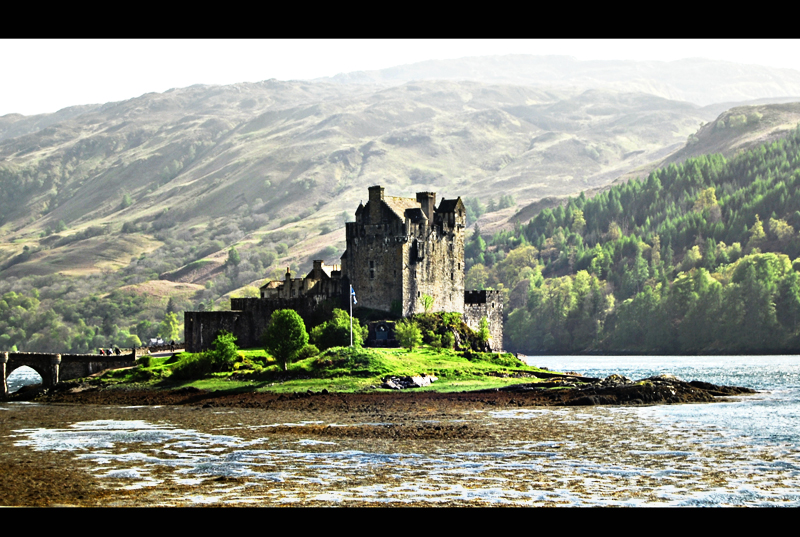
(436, 454)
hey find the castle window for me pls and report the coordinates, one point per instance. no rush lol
(372, 264)
(452, 275)
(371, 274)
(417, 294)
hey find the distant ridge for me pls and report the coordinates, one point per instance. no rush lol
(696, 80)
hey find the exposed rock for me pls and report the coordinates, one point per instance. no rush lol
(615, 380)
(402, 383)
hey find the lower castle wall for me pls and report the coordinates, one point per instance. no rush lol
(249, 318)
(489, 304)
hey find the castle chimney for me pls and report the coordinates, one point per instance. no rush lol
(428, 201)
(375, 197)
(375, 193)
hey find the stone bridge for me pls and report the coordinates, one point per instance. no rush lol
(53, 368)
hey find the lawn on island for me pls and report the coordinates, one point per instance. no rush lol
(340, 369)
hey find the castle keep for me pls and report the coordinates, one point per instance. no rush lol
(398, 251)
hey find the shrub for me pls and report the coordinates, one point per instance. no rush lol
(225, 351)
(352, 361)
(408, 334)
(220, 358)
(448, 340)
(336, 332)
(307, 352)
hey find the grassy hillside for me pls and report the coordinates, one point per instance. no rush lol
(161, 187)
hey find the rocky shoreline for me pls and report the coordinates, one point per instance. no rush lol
(572, 391)
(401, 421)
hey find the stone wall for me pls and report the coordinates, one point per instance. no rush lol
(489, 304)
(249, 318)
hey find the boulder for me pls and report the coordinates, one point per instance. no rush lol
(402, 383)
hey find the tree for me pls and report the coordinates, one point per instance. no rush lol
(225, 352)
(408, 334)
(233, 257)
(169, 327)
(757, 235)
(427, 302)
(578, 221)
(483, 331)
(285, 336)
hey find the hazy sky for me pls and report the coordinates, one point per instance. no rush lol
(46, 75)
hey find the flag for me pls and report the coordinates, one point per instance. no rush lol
(353, 292)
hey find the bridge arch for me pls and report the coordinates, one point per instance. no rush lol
(24, 371)
(56, 367)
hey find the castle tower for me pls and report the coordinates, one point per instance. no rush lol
(401, 249)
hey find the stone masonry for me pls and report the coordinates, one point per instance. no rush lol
(398, 251)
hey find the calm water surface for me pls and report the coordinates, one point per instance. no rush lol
(741, 452)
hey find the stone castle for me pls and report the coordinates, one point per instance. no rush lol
(399, 250)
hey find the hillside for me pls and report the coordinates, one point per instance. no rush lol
(698, 257)
(256, 156)
(735, 130)
(694, 80)
(108, 200)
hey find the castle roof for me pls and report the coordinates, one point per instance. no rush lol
(447, 206)
(416, 215)
(399, 205)
(272, 284)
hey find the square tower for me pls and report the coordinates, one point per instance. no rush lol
(401, 249)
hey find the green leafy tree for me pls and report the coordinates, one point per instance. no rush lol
(169, 328)
(408, 334)
(427, 302)
(225, 351)
(285, 336)
(578, 221)
(483, 330)
(336, 332)
(757, 235)
(233, 257)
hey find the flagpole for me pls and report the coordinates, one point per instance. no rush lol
(351, 315)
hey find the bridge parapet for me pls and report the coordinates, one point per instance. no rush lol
(54, 368)
(3, 362)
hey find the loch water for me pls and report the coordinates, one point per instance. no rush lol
(744, 451)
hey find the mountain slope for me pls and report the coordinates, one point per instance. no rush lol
(695, 80)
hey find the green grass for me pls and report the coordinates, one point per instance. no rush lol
(339, 369)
